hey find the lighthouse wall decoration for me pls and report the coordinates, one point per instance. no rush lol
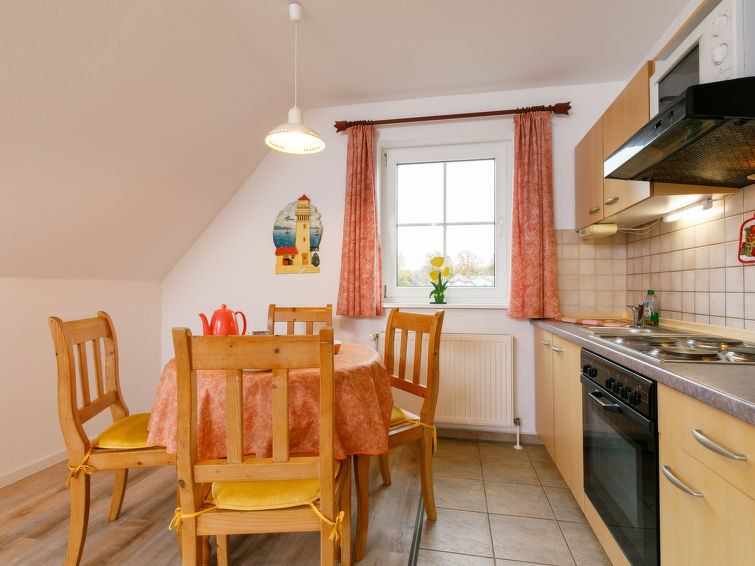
(296, 234)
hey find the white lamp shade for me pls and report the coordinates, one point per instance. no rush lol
(295, 137)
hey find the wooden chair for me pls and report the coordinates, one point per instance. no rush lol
(405, 426)
(250, 494)
(292, 315)
(122, 445)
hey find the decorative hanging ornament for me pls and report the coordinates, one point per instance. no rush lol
(747, 241)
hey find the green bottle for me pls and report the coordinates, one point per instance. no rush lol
(650, 314)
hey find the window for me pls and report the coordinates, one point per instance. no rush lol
(452, 201)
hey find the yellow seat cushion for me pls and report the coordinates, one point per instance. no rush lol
(399, 416)
(130, 432)
(261, 495)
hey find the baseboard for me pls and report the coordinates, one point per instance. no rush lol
(485, 435)
(21, 473)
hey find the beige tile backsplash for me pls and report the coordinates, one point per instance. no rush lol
(591, 274)
(691, 264)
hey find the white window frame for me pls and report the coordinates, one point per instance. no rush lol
(390, 157)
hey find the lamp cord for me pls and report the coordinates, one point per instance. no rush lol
(296, 51)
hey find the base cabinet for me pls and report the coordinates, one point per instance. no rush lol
(558, 406)
(704, 519)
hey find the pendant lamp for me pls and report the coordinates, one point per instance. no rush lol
(294, 136)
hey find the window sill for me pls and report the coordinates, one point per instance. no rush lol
(388, 303)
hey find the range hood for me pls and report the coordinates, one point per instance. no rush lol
(706, 137)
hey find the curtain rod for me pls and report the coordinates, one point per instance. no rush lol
(560, 108)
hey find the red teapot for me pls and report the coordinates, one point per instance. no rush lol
(223, 323)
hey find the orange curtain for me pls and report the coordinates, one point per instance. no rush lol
(361, 276)
(533, 244)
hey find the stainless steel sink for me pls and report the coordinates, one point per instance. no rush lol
(624, 330)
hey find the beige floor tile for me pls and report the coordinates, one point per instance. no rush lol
(435, 558)
(453, 447)
(564, 505)
(549, 475)
(517, 499)
(459, 493)
(584, 545)
(538, 453)
(514, 470)
(462, 532)
(457, 465)
(500, 450)
(516, 563)
(529, 540)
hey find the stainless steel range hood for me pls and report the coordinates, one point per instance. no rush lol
(706, 137)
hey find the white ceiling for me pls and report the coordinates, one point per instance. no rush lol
(126, 126)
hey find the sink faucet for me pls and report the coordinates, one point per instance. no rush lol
(637, 319)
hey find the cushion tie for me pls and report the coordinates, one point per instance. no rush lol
(435, 432)
(335, 534)
(82, 467)
(175, 522)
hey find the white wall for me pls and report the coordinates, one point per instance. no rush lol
(31, 438)
(232, 262)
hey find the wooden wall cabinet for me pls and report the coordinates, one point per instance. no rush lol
(706, 514)
(558, 400)
(597, 198)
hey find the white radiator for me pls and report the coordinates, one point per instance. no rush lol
(476, 379)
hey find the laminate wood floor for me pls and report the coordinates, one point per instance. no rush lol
(34, 515)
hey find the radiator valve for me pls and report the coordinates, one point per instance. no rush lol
(518, 423)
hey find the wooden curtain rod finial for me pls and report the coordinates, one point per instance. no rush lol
(560, 108)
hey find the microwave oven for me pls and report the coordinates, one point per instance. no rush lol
(720, 46)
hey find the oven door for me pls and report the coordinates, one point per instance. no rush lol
(621, 472)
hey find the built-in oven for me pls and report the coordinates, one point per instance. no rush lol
(621, 454)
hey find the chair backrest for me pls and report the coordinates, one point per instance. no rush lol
(292, 315)
(78, 398)
(420, 324)
(233, 354)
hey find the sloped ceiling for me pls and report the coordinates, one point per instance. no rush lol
(126, 126)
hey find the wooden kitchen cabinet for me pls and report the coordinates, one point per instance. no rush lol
(716, 527)
(567, 415)
(588, 177)
(544, 390)
(558, 406)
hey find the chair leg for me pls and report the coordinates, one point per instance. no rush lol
(119, 490)
(327, 546)
(362, 478)
(345, 506)
(385, 468)
(426, 473)
(192, 546)
(79, 518)
(206, 550)
(222, 550)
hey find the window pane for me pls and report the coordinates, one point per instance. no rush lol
(470, 191)
(416, 246)
(419, 193)
(471, 253)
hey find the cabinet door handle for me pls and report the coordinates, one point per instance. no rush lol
(676, 482)
(544, 343)
(556, 349)
(610, 200)
(593, 210)
(714, 446)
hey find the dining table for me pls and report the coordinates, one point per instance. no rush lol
(363, 403)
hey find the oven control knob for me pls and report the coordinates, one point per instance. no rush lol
(625, 392)
(592, 372)
(609, 382)
(586, 368)
(617, 387)
(635, 398)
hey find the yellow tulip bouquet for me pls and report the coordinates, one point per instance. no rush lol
(436, 276)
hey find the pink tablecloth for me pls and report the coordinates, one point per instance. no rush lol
(363, 402)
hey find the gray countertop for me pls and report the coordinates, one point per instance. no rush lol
(730, 388)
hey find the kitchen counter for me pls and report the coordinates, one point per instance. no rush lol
(730, 388)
